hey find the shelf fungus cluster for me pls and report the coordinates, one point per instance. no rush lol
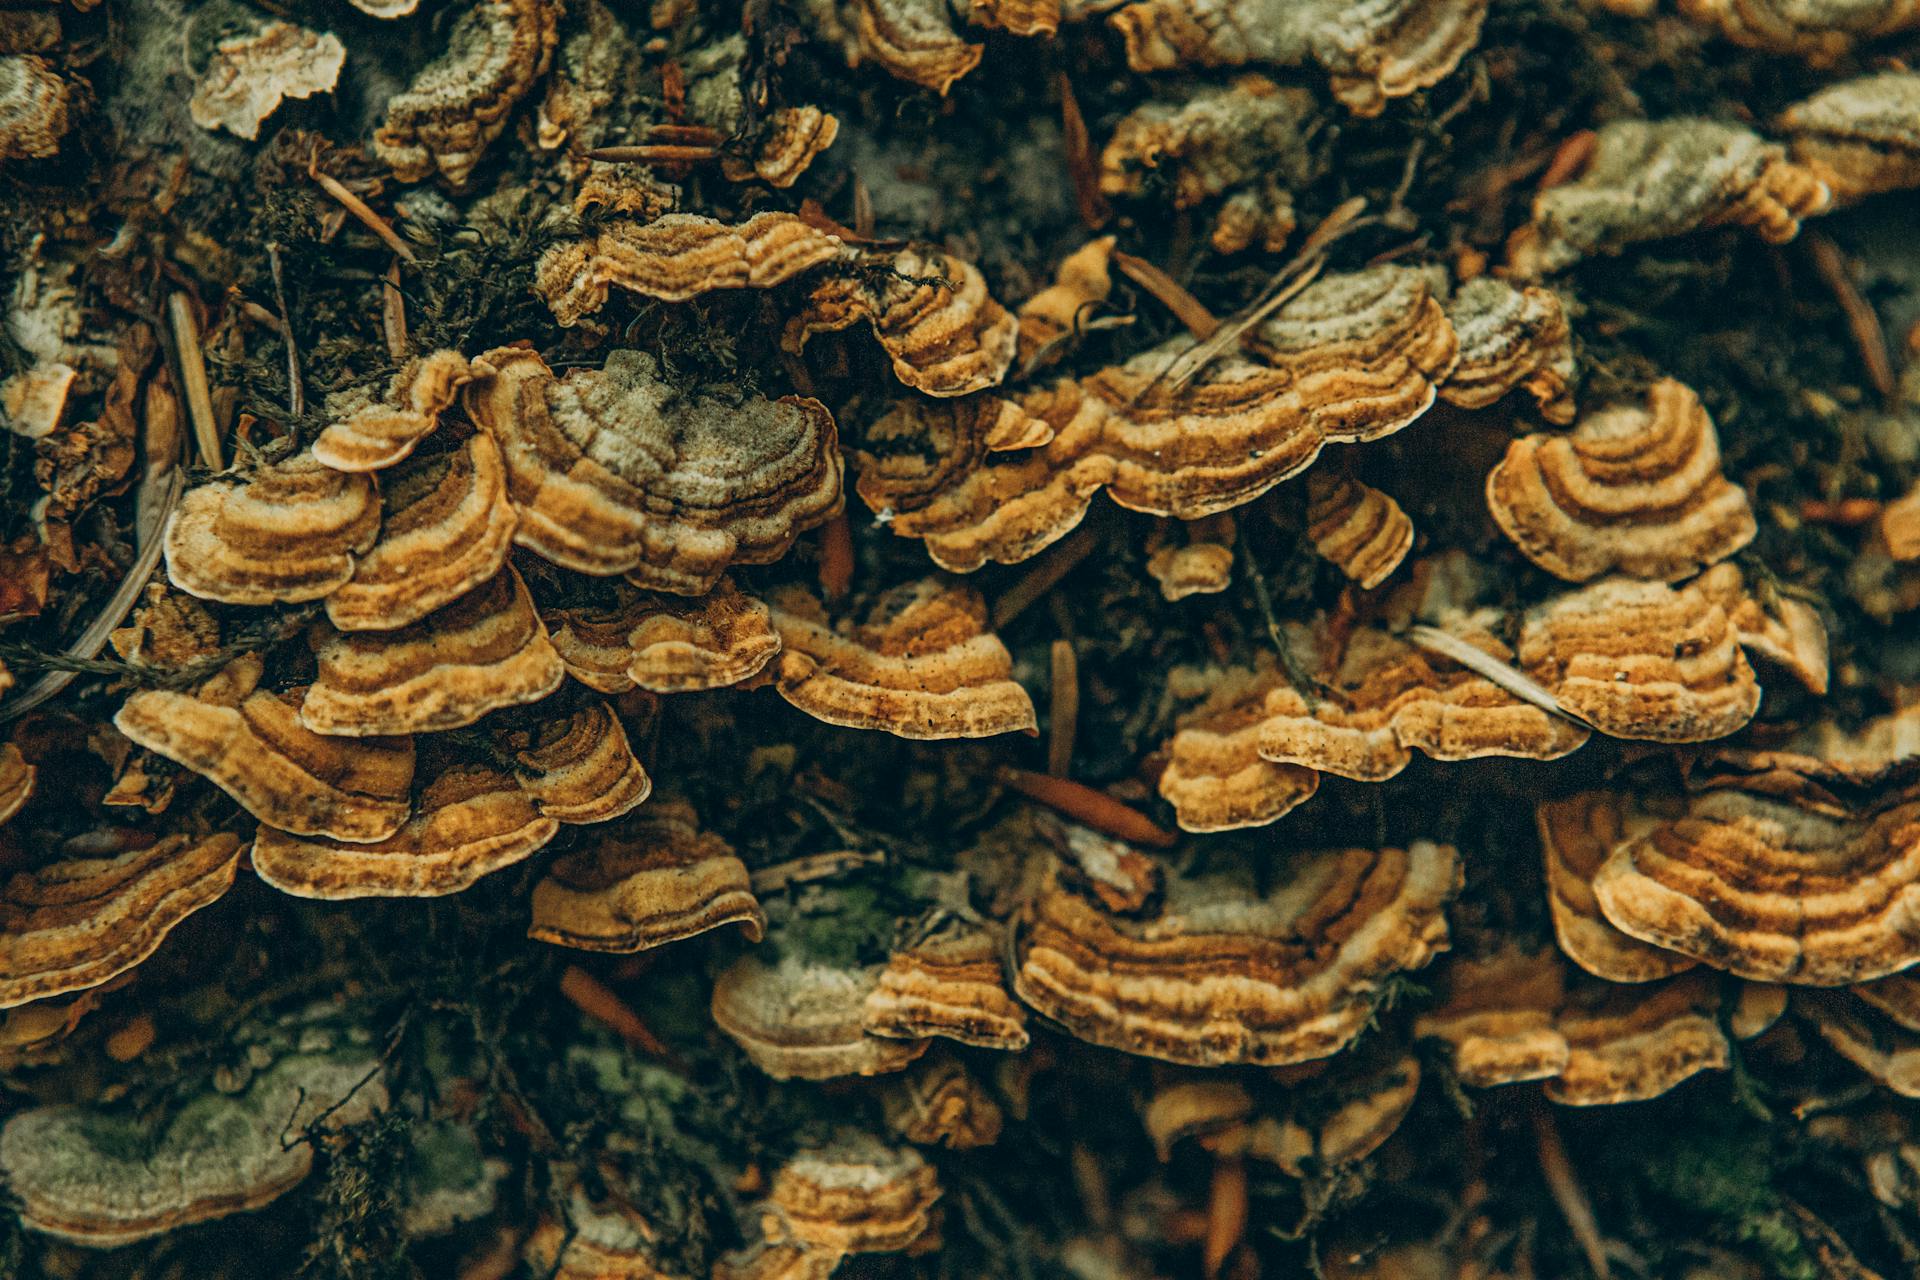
(1378, 611)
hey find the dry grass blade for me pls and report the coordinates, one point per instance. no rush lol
(1862, 320)
(364, 213)
(1286, 285)
(1481, 663)
(1042, 578)
(1565, 1188)
(1082, 167)
(193, 379)
(654, 153)
(393, 314)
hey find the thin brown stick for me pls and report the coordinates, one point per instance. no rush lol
(1200, 322)
(1082, 171)
(364, 213)
(663, 153)
(1862, 320)
(597, 1000)
(1063, 717)
(193, 378)
(1481, 663)
(1093, 808)
(393, 314)
(836, 557)
(296, 386)
(1570, 159)
(1056, 564)
(1564, 1186)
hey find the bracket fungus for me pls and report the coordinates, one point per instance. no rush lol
(253, 746)
(286, 534)
(680, 256)
(1048, 319)
(1516, 1016)
(446, 529)
(667, 644)
(920, 664)
(1786, 632)
(469, 821)
(655, 879)
(443, 121)
(1352, 357)
(370, 432)
(931, 314)
(1886, 1051)
(856, 1194)
(1576, 835)
(1215, 778)
(806, 1019)
(1640, 659)
(615, 470)
(34, 108)
(1198, 560)
(1247, 138)
(1371, 51)
(1510, 337)
(1638, 491)
(947, 984)
(579, 768)
(484, 651)
(937, 1101)
(252, 73)
(1387, 699)
(1861, 137)
(1222, 974)
(1772, 890)
(1818, 30)
(76, 923)
(912, 39)
(1356, 528)
(1649, 180)
(104, 1179)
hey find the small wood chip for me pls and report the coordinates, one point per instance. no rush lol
(1064, 715)
(1200, 322)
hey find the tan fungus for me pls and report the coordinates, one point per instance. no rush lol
(1356, 527)
(75, 924)
(1215, 779)
(948, 984)
(369, 432)
(253, 746)
(1383, 699)
(937, 1101)
(668, 644)
(1649, 180)
(460, 102)
(446, 528)
(1058, 312)
(921, 664)
(931, 313)
(1576, 835)
(1198, 560)
(16, 780)
(34, 103)
(615, 470)
(911, 39)
(1818, 30)
(856, 1194)
(1372, 50)
(469, 821)
(1785, 631)
(1638, 491)
(484, 651)
(1639, 659)
(251, 74)
(1880, 1046)
(1510, 337)
(803, 1019)
(655, 879)
(287, 534)
(1221, 974)
(579, 768)
(677, 257)
(792, 139)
